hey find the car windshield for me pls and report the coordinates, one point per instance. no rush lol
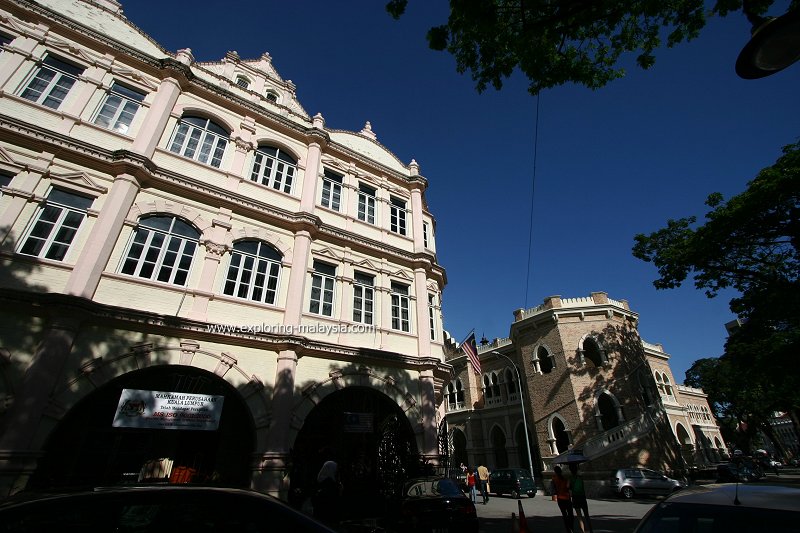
(432, 487)
(669, 517)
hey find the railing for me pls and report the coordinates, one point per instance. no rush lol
(621, 435)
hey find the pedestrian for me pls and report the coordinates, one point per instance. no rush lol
(577, 490)
(483, 479)
(471, 483)
(559, 489)
(327, 498)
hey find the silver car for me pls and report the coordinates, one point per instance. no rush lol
(629, 482)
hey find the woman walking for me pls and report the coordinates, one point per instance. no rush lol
(559, 489)
(578, 492)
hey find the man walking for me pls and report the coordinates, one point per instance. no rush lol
(483, 479)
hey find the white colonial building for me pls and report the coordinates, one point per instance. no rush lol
(199, 279)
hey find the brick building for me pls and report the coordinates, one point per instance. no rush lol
(591, 383)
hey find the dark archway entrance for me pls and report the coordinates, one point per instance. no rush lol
(370, 438)
(608, 412)
(86, 450)
(499, 448)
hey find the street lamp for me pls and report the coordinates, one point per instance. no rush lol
(522, 404)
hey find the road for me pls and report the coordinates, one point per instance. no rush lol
(608, 515)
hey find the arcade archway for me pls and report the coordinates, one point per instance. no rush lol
(85, 449)
(370, 438)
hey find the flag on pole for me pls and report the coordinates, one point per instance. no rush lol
(471, 350)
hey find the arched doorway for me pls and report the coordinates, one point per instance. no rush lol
(499, 448)
(85, 449)
(459, 456)
(522, 447)
(370, 438)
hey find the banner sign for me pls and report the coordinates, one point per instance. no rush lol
(152, 409)
(357, 422)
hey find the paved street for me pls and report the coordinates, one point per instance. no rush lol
(608, 515)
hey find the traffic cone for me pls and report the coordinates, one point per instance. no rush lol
(514, 523)
(523, 522)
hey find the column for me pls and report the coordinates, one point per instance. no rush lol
(311, 177)
(215, 249)
(22, 421)
(416, 219)
(158, 114)
(16, 54)
(429, 430)
(423, 326)
(25, 186)
(94, 256)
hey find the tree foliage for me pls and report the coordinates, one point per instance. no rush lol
(558, 41)
(751, 244)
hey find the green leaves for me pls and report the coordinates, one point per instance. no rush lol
(559, 41)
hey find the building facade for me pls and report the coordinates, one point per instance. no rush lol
(589, 383)
(199, 279)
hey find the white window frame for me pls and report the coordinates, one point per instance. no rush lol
(276, 171)
(50, 75)
(455, 395)
(401, 307)
(397, 216)
(323, 289)
(253, 276)
(432, 308)
(119, 108)
(331, 193)
(366, 204)
(55, 225)
(186, 247)
(199, 142)
(363, 298)
(425, 234)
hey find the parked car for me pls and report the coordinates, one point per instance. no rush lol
(741, 470)
(146, 509)
(729, 508)
(436, 504)
(513, 481)
(629, 482)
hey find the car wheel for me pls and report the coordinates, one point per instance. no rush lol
(627, 493)
(515, 494)
(531, 495)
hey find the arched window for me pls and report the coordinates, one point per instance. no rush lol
(608, 412)
(511, 385)
(559, 435)
(253, 271)
(546, 362)
(200, 139)
(274, 168)
(162, 249)
(592, 352)
(491, 389)
(667, 386)
(660, 383)
(242, 82)
(271, 96)
(455, 395)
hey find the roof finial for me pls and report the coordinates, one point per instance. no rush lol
(367, 131)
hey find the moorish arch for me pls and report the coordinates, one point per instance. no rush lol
(684, 438)
(458, 448)
(101, 454)
(360, 427)
(558, 434)
(608, 411)
(591, 352)
(499, 451)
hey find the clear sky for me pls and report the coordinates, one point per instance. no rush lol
(611, 163)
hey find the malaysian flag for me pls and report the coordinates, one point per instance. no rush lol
(471, 350)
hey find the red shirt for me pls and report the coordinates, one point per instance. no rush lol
(470, 479)
(562, 487)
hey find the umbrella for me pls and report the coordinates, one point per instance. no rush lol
(570, 457)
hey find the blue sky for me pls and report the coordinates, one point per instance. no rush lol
(611, 163)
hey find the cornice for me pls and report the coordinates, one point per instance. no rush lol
(56, 306)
